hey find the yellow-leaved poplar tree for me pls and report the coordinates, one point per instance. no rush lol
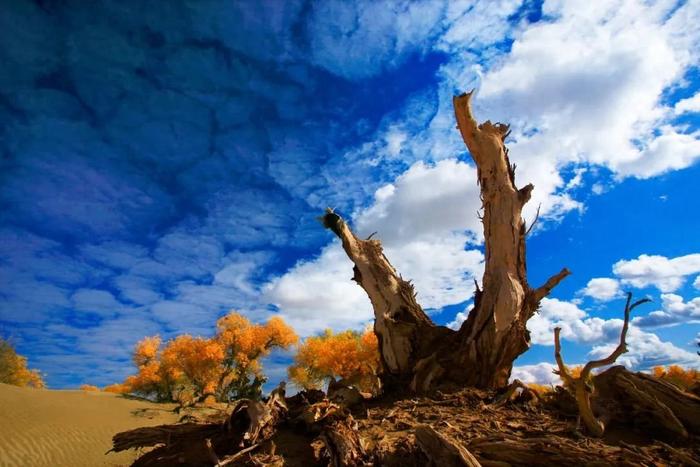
(684, 378)
(191, 368)
(244, 344)
(13, 368)
(350, 356)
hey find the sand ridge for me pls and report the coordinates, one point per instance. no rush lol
(72, 428)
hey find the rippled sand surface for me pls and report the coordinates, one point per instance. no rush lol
(40, 427)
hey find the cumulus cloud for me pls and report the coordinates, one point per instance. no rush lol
(602, 288)
(426, 234)
(459, 318)
(423, 202)
(665, 274)
(539, 373)
(575, 323)
(688, 105)
(319, 294)
(645, 349)
(594, 70)
(674, 310)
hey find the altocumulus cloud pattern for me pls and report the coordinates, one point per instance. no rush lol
(163, 163)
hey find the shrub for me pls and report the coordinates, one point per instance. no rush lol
(13, 368)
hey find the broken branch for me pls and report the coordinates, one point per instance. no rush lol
(583, 386)
(541, 292)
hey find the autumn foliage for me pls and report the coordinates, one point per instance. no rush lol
(13, 368)
(677, 375)
(225, 366)
(683, 378)
(89, 388)
(350, 356)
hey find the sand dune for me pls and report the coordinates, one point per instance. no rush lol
(40, 427)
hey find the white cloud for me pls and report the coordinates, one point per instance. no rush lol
(670, 150)
(423, 202)
(460, 317)
(539, 373)
(184, 317)
(441, 269)
(120, 255)
(425, 233)
(594, 70)
(602, 288)
(654, 270)
(357, 40)
(476, 25)
(696, 283)
(674, 311)
(101, 302)
(360, 39)
(456, 323)
(136, 289)
(425, 220)
(645, 349)
(575, 323)
(691, 104)
(319, 294)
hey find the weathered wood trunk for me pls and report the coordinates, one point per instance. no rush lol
(659, 409)
(413, 349)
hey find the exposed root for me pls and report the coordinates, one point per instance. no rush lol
(470, 427)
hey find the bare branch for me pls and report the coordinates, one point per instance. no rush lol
(622, 346)
(534, 221)
(581, 386)
(563, 371)
(466, 123)
(525, 193)
(541, 292)
(234, 457)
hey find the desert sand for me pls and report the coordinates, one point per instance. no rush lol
(40, 427)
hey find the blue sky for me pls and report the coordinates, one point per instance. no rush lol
(160, 166)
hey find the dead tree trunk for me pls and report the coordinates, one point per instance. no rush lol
(413, 349)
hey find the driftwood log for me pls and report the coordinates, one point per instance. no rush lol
(651, 406)
(468, 428)
(250, 423)
(415, 352)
